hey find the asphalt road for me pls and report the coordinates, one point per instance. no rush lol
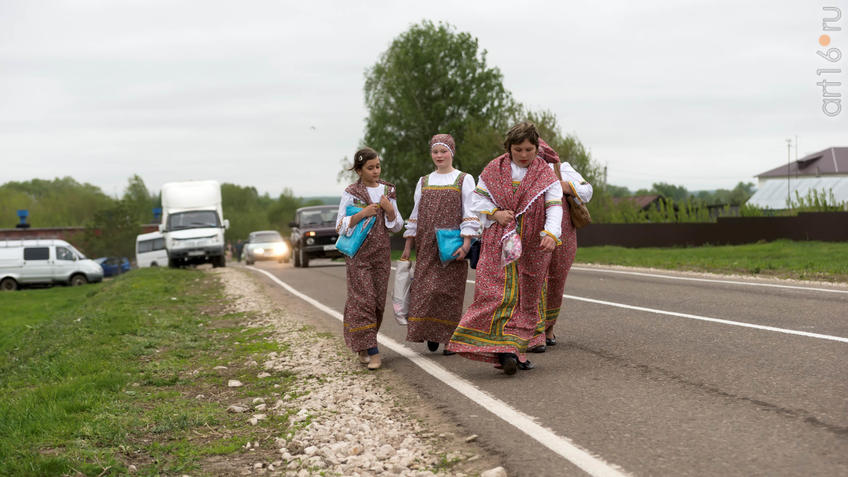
(652, 393)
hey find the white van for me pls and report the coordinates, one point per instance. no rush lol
(44, 262)
(150, 250)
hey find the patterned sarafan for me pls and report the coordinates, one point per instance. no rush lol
(367, 278)
(561, 262)
(507, 315)
(437, 292)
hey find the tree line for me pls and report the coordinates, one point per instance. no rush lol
(112, 223)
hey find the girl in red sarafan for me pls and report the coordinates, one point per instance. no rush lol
(368, 271)
(442, 201)
(517, 194)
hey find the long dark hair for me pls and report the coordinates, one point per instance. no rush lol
(361, 157)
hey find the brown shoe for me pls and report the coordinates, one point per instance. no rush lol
(375, 362)
(363, 357)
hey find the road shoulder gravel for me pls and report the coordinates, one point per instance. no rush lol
(344, 420)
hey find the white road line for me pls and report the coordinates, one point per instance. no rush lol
(705, 318)
(561, 445)
(711, 280)
(713, 320)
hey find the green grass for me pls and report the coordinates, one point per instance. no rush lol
(824, 261)
(96, 377)
(397, 253)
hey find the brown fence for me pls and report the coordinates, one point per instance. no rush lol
(68, 234)
(824, 226)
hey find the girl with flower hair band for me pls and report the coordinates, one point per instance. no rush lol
(519, 197)
(442, 201)
(368, 270)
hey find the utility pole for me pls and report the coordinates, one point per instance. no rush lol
(788, 164)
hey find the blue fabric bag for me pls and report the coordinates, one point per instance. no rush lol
(448, 241)
(349, 245)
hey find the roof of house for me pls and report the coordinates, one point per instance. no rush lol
(833, 160)
(773, 194)
(641, 201)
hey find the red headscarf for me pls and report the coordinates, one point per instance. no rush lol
(445, 140)
(547, 153)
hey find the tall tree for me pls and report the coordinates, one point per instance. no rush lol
(112, 231)
(139, 200)
(432, 79)
(569, 148)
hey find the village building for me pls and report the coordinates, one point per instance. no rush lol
(824, 173)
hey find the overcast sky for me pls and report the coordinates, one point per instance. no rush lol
(269, 93)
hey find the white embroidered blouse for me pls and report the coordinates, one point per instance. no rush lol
(579, 187)
(483, 205)
(375, 193)
(470, 222)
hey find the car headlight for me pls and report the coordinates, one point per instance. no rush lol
(259, 250)
(310, 241)
(280, 249)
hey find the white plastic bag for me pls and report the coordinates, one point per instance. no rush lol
(400, 295)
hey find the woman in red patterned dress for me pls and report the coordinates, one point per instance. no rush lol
(518, 195)
(442, 200)
(368, 271)
(575, 185)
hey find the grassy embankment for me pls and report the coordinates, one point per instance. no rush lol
(97, 377)
(825, 261)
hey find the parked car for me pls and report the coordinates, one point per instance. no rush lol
(314, 234)
(150, 250)
(265, 245)
(113, 266)
(44, 262)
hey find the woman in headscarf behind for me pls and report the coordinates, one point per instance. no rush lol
(573, 184)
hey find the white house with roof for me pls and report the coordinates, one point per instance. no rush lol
(825, 171)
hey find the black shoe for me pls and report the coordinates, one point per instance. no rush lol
(509, 362)
(433, 345)
(538, 349)
(526, 365)
(551, 341)
(448, 353)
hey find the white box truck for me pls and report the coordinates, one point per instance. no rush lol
(193, 223)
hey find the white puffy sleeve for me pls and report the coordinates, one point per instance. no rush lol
(412, 222)
(397, 224)
(578, 185)
(342, 220)
(553, 212)
(482, 204)
(470, 221)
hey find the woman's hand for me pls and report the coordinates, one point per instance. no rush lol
(370, 210)
(407, 248)
(548, 244)
(503, 217)
(462, 251)
(386, 205)
(566, 189)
